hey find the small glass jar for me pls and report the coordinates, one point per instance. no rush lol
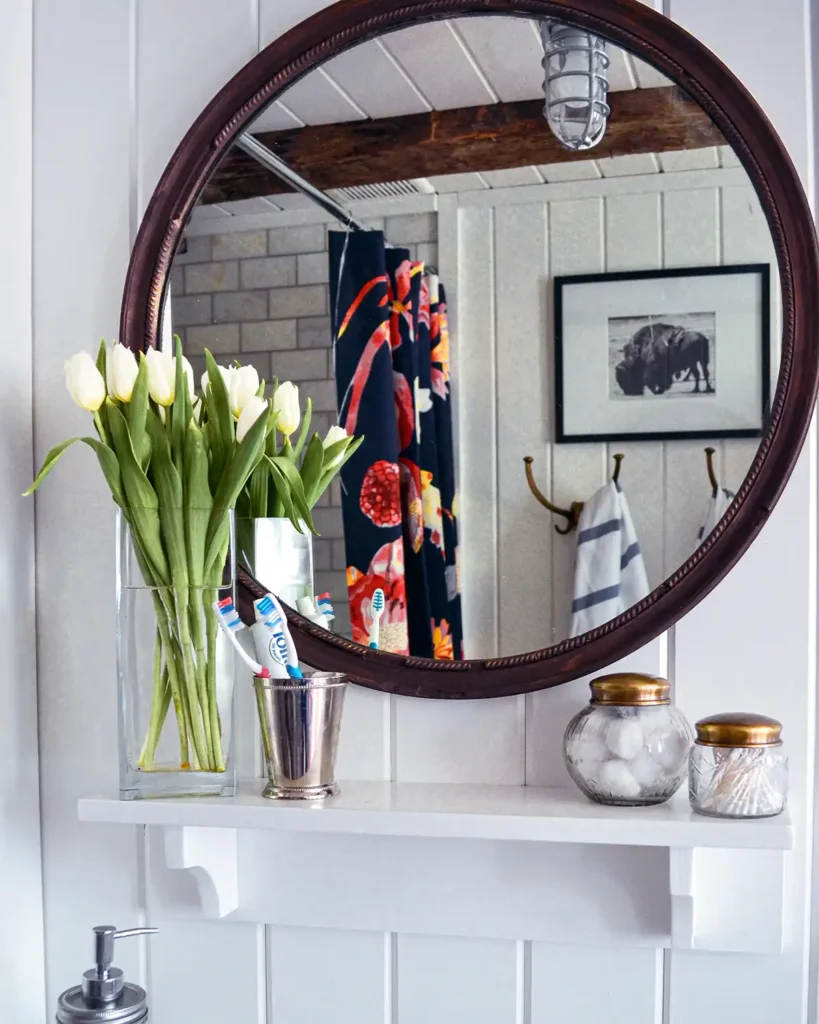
(630, 746)
(739, 768)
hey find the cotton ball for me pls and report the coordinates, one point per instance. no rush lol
(656, 723)
(624, 738)
(671, 749)
(616, 779)
(645, 769)
(588, 751)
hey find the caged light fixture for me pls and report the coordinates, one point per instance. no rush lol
(576, 63)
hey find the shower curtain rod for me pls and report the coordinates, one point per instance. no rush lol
(268, 159)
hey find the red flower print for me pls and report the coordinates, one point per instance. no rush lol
(413, 503)
(387, 572)
(404, 411)
(380, 497)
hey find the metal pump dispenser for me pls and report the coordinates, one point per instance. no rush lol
(104, 995)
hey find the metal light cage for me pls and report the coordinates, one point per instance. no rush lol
(576, 86)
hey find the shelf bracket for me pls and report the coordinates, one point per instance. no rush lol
(727, 900)
(211, 856)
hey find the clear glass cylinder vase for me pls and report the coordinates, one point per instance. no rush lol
(175, 665)
(278, 556)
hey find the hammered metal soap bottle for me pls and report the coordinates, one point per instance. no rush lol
(104, 995)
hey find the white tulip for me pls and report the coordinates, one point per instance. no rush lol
(121, 369)
(84, 382)
(227, 376)
(334, 435)
(189, 374)
(244, 383)
(286, 407)
(254, 408)
(161, 376)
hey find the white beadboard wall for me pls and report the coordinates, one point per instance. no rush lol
(114, 92)
(21, 907)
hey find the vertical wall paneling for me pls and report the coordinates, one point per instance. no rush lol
(81, 246)
(455, 979)
(318, 974)
(752, 640)
(21, 966)
(173, 83)
(477, 455)
(614, 984)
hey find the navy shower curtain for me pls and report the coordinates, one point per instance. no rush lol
(398, 490)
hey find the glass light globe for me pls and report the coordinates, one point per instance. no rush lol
(576, 63)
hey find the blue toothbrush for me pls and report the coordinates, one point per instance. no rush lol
(269, 613)
(376, 610)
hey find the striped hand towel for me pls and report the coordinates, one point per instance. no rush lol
(717, 507)
(609, 572)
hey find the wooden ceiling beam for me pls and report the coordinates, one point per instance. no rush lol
(468, 139)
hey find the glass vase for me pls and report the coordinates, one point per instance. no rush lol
(175, 664)
(278, 556)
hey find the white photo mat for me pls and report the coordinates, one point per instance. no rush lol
(739, 302)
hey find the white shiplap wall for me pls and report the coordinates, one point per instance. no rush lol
(114, 92)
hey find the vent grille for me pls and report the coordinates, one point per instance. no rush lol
(381, 190)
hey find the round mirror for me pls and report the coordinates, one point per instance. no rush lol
(555, 283)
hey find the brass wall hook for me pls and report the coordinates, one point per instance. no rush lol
(712, 476)
(571, 515)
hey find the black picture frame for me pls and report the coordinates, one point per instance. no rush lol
(563, 282)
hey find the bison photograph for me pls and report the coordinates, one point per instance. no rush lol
(669, 355)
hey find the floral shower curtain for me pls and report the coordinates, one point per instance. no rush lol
(398, 490)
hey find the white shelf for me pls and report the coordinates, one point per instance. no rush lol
(691, 893)
(454, 812)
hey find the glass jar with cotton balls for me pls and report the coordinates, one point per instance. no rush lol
(630, 746)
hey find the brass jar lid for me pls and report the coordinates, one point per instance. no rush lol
(739, 729)
(630, 689)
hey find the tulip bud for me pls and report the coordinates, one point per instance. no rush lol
(254, 408)
(84, 382)
(244, 383)
(334, 435)
(161, 376)
(286, 407)
(121, 370)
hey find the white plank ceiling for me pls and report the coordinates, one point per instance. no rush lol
(446, 64)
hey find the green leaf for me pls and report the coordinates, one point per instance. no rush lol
(284, 497)
(246, 456)
(305, 426)
(181, 410)
(107, 460)
(220, 418)
(136, 412)
(312, 467)
(295, 489)
(169, 491)
(198, 502)
(329, 475)
(102, 360)
(258, 491)
(142, 500)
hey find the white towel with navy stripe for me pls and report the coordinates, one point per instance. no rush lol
(609, 572)
(717, 507)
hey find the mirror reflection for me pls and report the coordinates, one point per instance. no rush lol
(542, 290)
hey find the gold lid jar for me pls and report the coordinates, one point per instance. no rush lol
(739, 729)
(630, 689)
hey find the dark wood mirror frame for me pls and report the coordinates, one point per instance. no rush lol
(681, 57)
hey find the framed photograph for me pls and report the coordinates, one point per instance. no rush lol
(663, 354)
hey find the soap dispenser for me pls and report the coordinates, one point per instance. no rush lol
(104, 995)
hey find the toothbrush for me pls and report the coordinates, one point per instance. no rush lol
(376, 610)
(321, 614)
(269, 612)
(325, 606)
(231, 623)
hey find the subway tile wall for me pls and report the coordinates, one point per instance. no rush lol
(262, 297)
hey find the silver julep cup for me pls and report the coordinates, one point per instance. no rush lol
(300, 726)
